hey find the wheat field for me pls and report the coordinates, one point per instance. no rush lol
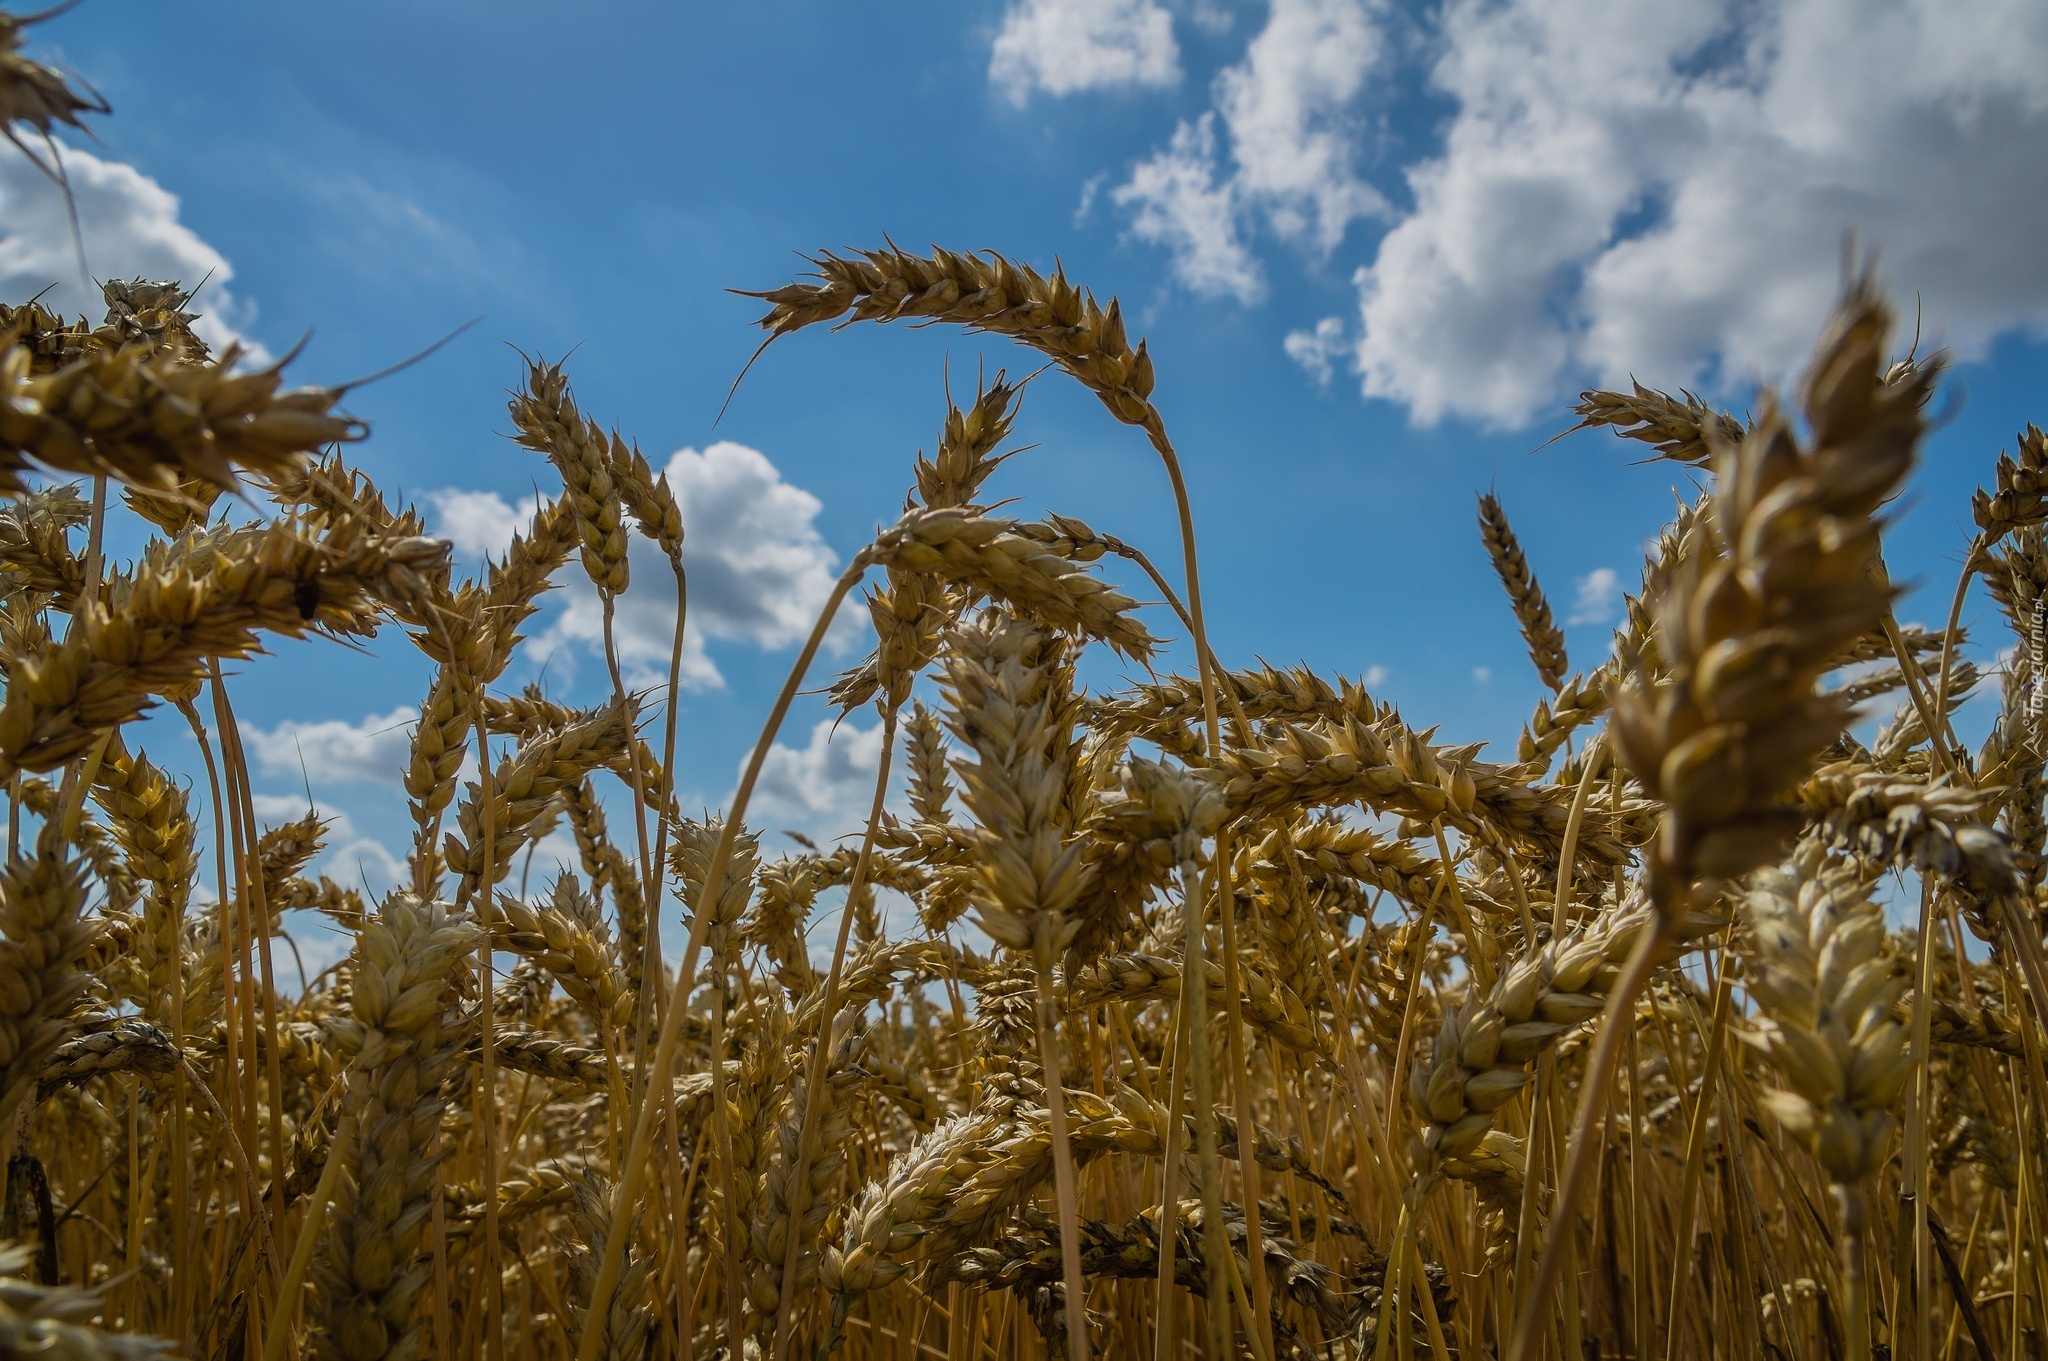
(1242, 1017)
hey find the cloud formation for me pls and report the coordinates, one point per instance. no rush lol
(1291, 140)
(1067, 46)
(130, 227)
(1175, 201)
(1292, 152)
(1318, 350)
(823, 788)
(1665, 189)
(1651, 187)
(759, 569)
(373, 751)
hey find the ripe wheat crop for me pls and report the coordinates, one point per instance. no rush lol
(1243, 1015)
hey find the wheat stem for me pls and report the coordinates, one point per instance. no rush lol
(1241, 1086)
(1930, 718)
(1695, 1158)
(487, 1065)
(1208, 1164)
(1955, 621)
(1066, 1198)
(1567, 856)
(814, 1067)
(237, 765)
(1165, 1302)
(1593, 1092)
(626, 1198)
(1856, 1302)
(91, 591)
(281, 1317)
(651, 966)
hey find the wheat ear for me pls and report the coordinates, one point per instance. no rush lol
(1825, 984)
(1532, 611)
(1746, 627)
(404, 1043)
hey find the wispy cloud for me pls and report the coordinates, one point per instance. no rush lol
(1291, 151)
(1318, 350)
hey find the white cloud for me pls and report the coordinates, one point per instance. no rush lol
(1375, 677)
(373, 751)
(1482, 674)
(1664, 188)
(479, 524)
(823, 788)
(1599, 594)
(1212, 16)
(1286, 108)
(1066, 46)
(360, 861)
(130, 227)
(1089, 189)
(1657, 188)
(759, 570)
(1175, 202)
(1317, 350)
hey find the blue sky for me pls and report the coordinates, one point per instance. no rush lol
(1376, 249)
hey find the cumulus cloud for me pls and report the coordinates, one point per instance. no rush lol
(1286, 108)
(130, 227)
(1175, 201)
(359, 860)
(1599, 594)
(1664, 189)
(1066, 46)
(759, 569)
(1651, 187)
(823, 788)
(480, 524)
(373, 751)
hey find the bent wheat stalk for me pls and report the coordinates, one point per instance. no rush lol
(626, 1199)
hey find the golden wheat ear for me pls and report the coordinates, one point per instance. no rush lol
(1539, 629)
(1682, 429)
